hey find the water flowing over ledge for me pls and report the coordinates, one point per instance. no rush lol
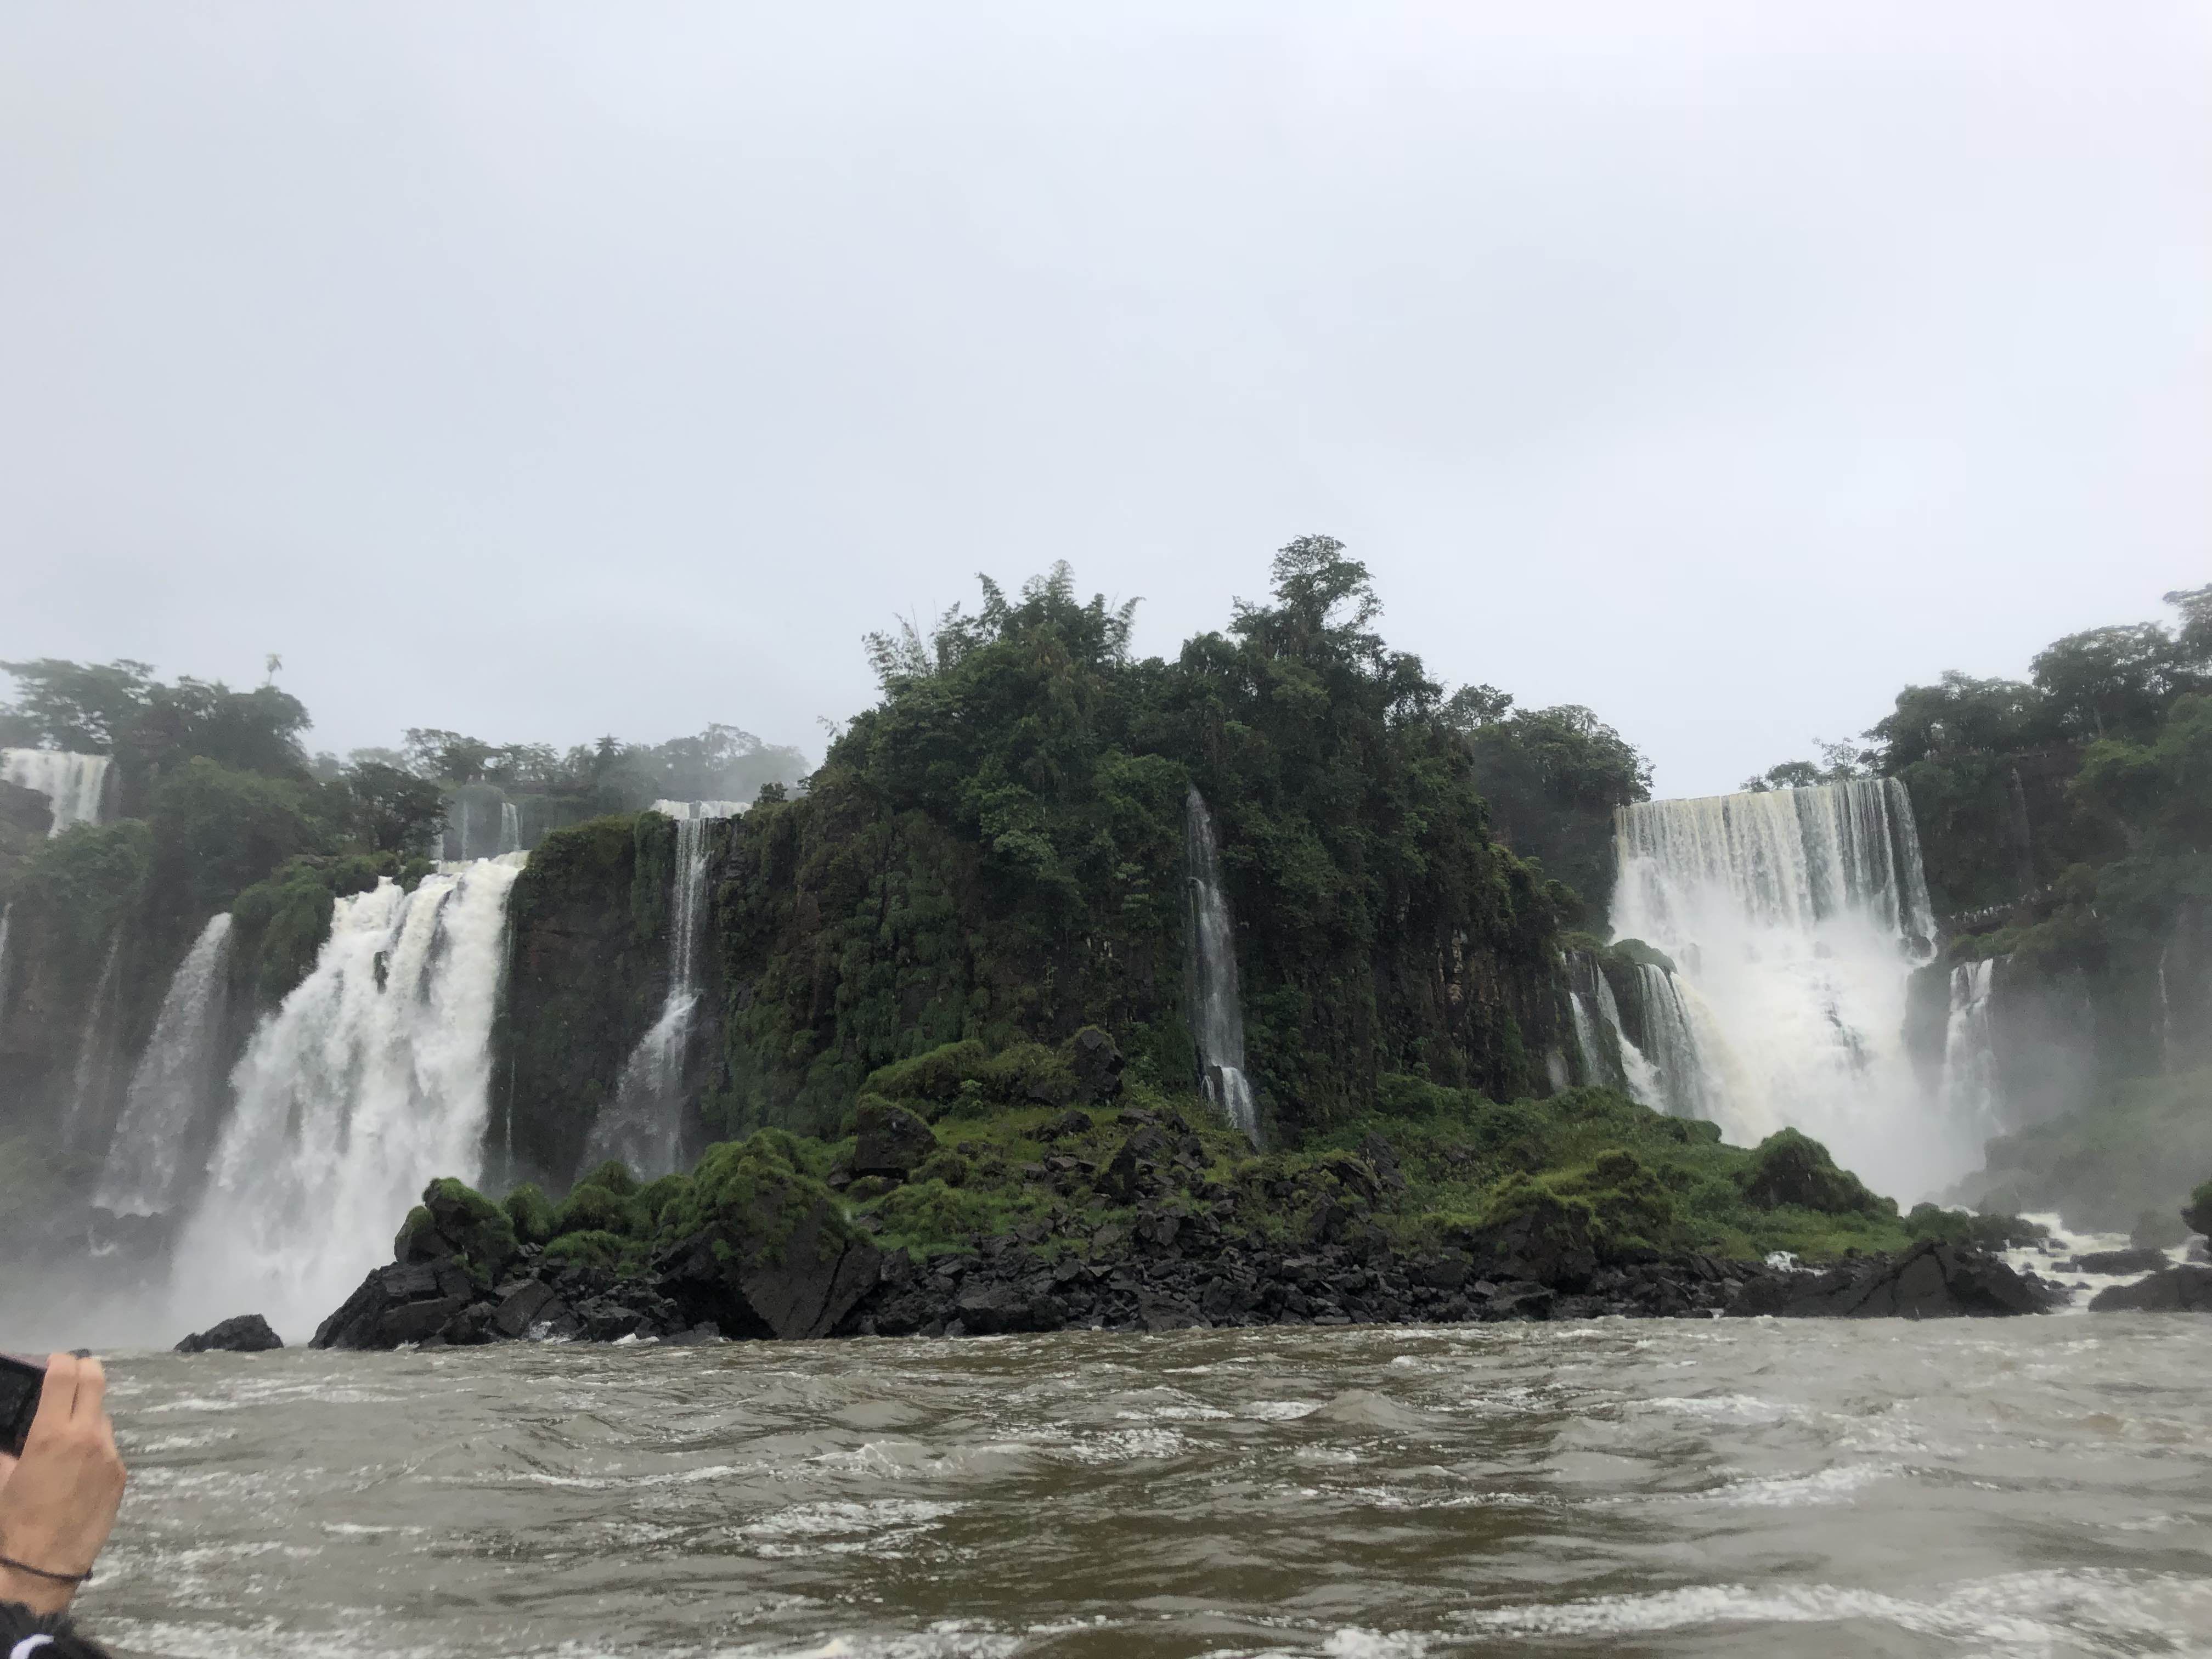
(644, 1125)
(76, 785)
(370, 1079)
(170, 1089)
(1794, 919)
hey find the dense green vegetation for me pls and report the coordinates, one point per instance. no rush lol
(996, 852)
(1427, 1166)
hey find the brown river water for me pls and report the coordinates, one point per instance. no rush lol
(2016, 1487)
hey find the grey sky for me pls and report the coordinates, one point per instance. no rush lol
(545, 370)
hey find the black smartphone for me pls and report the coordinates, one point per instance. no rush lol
(20, 1383)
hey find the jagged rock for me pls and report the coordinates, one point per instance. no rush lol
(1382, 1157)
(246, 1333)
(1129, 1171)
(408, 1303)
(521, 1308)
(1097, 1064)
(1930, 1280)
(1069, 1122)
(892, 1141)
(2177, 1290)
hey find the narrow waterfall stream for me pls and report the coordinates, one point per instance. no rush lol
(1968, 1094)
(370, 1078)
(644, 1126)
(1794, 919)
(1217, 1016)
(171, 1088)
(89, 1080)
(74, 784)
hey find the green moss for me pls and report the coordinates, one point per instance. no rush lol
(611, 1176)
(1789, 1167)
(595, 1250)
(590, 1209)
(531, 1213)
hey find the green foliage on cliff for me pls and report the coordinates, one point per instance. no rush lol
(995, 853)
(1553, 778)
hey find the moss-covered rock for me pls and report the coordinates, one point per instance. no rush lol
(531, 1213)
(763, 1248)
(1789, 1167)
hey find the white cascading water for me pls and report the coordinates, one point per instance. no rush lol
(74, 784)
(370, 1079)
(1641, 1077)
(1795, 918)
(7, 912)
(1967, 1097)
(510, 829)
(644, 1127)
(171, 1086)
(1593, 1068)
(1218, 1022)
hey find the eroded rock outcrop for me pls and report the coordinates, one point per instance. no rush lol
(245, 1334)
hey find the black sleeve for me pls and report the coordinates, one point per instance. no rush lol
(18, 1625)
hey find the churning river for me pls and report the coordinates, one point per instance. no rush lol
(2016, 1487)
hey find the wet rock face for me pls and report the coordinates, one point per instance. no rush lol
(1928, 1281)
(2177, 1290)
(246, 1333)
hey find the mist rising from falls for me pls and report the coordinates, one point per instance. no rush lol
(644, 1126)
(172, 1086)
(74, 784)
(1216, 1014)
(1795, 918)
(367, 1081)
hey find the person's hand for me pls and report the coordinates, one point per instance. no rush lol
(57, 1501)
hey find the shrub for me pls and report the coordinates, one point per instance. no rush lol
(1794, 1169)
(531, 1213)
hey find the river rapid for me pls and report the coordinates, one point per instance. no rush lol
(2016, 1487)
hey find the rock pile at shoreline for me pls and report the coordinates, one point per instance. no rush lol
(810, 1276)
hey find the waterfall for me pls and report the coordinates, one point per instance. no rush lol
(371, 1078)
(510, 829)
(1795, 917)
(89, 1081)
(1218, 1017)
(1968, 1094)
(1637, 1074)
(644, 1127)
(170, 1089)
(7, 912)
(73, 783)
(1586, 1039)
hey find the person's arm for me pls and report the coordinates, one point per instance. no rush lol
(57, 1504)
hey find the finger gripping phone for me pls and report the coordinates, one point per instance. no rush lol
(21, 1380)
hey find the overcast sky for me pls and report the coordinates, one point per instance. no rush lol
(544, 370)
